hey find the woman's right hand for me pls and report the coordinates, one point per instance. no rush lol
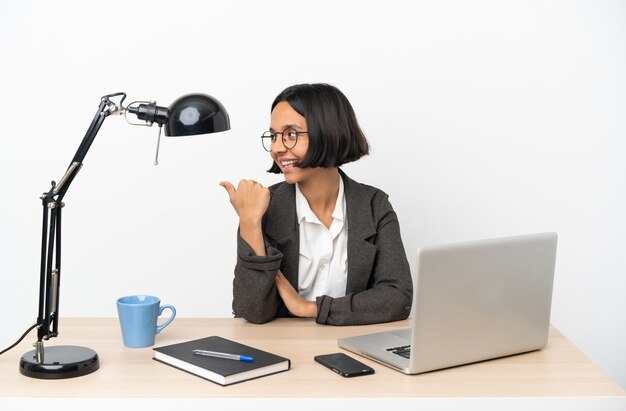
(250, 200)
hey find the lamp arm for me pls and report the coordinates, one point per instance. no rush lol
(105, 109)
(50, 269)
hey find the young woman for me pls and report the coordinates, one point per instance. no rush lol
(318, 244)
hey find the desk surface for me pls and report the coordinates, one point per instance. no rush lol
(559, 370)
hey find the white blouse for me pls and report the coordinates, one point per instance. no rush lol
(323, 263)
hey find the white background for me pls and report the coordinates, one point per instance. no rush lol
(486, 118)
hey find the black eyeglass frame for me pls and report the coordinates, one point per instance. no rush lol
(271, 135)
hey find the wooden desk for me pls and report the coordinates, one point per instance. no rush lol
(559, 370)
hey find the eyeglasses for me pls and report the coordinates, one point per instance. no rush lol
(289, 137)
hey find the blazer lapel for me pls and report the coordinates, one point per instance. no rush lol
(361, 228)
(281, 228)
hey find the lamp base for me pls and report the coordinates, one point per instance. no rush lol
(64, 361)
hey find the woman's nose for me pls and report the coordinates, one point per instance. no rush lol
(278, 145)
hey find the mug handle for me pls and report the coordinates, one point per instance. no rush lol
(169, 320)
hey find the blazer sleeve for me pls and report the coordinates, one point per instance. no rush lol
(254, 287)
(387, 291)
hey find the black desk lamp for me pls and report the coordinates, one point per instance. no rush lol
(189, 115)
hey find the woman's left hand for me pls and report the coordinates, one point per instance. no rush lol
(296, 305)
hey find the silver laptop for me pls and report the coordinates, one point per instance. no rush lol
(473, 301)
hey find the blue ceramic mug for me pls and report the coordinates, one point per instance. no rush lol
(138, 316)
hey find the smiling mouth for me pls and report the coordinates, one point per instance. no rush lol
(292, 163)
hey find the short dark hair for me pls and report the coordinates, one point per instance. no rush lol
(335, 137)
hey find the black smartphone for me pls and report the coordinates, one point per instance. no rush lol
(343, 364)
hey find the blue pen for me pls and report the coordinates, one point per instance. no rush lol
(223, 355)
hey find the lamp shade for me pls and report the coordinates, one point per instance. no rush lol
(196, 114)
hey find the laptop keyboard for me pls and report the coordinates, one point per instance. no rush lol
(402, 351)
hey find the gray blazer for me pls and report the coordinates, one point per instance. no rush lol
(379, 285)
